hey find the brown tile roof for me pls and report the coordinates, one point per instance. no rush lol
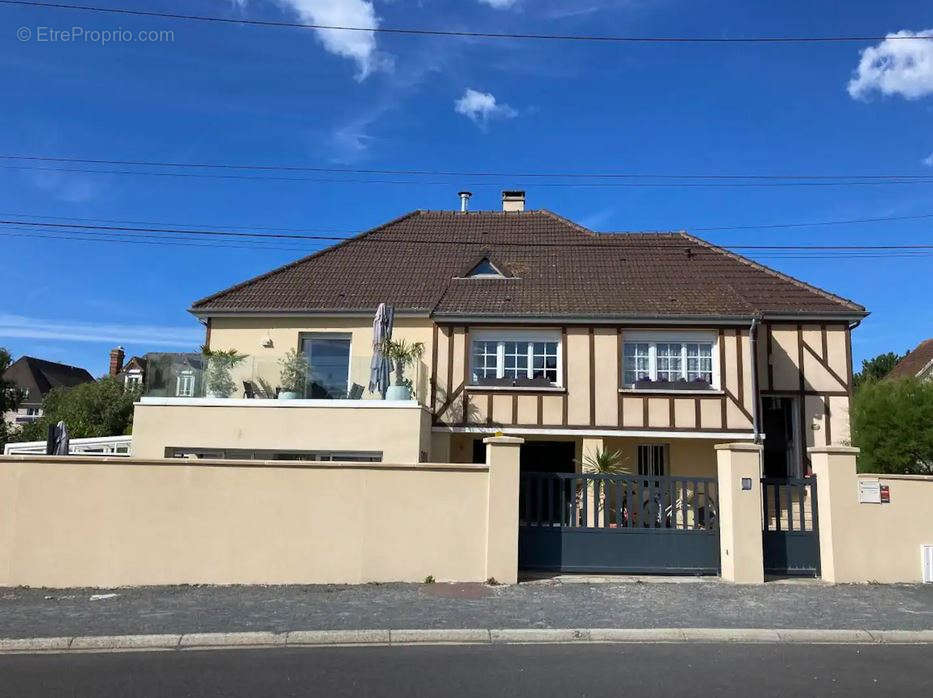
(912, 364)
(557, 269)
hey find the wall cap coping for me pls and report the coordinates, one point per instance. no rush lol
(266, 403)
(506, 440)
(96, 459)
(897, 476)
(738, 447)
(839, 450)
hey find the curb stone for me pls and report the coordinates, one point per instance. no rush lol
(458, 636)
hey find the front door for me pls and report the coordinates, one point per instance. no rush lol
(779, 422)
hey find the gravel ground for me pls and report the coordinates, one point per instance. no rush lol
(540, 604)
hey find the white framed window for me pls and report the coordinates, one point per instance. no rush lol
(653, 459)
(184, 384)
(686, 359)
(133, 379)
(516, 357)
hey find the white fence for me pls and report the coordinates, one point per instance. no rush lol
(110, 445)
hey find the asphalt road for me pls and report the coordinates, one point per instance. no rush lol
(542, 671)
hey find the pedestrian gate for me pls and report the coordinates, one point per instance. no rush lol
(582, 522)
(790, 526)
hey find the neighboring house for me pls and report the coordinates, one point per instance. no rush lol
(917, 364)
(659, 345)
(35, 378)
(165, 374)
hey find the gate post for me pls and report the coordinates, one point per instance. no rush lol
(836, 497)
(739, 485)
(502, 458)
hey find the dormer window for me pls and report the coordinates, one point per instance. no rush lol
(485, 270)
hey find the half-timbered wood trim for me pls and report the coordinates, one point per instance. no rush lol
(824, 342)
(696, 409)
(827, 419)
(825, 365)
(434, 367)
(489, 408)
(739, 366)
(466, 372)
(644, 412)
(670, 408)
(851, 383)
(451, 398)
(450, 362)
(801, 403)
(738, 404)
(590, 427)
(722, 371)
(563, 361)
(592, 350)
(810, 393)
(514, 408)
(769, 357)
(540, 416)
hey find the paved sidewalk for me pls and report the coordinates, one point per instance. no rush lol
(548, 604)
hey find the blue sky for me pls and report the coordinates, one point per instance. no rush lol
(226, 93)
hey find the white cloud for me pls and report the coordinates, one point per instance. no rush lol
(359, 46)
(499, 4)
(481, 107)
(896, 67)
(928, 160)
(67, 330)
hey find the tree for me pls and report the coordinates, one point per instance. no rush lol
(10, 396)
(876, 368)
(892, 422)
(101, 408)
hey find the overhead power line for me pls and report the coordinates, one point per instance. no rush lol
(606, 238)
(455, 173)
(405, 31)
(187, 227)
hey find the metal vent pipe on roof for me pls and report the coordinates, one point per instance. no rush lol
(464, 200)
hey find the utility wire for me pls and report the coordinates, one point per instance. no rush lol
(605, 38)
(421, 183)
(603, 239)
(454, 173)
(350, 233)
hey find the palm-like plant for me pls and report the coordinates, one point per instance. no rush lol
(605, 462)
(402, 353)
(219, 365)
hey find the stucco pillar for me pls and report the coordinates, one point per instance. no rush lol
(502, 457)
(836, 499)
(739, 487)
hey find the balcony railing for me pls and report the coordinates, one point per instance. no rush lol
(194, 375)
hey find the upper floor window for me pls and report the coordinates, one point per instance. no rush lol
(133, 379)
(516, 358)
(669, 361)
(184, 384)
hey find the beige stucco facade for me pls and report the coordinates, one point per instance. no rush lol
(400, 433)
(105, 522)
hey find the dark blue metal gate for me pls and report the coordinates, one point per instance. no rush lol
(633, 524)
(790, 526)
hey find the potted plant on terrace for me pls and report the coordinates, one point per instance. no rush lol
(293, 375)
(220, 362)
(401, 354)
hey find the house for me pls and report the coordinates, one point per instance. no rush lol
(35, 378)
(173, 374)
(917, 364)
(659, 345)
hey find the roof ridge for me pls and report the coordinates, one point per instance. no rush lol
(318, 253)
(773, 272)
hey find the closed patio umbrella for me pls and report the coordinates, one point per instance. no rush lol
(58, 441)
(380, 367)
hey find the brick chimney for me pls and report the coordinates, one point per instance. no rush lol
(513, 200)
(116, 360)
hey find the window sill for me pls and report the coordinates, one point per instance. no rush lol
(666, 391)
(516, 388)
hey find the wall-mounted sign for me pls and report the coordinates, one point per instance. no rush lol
(869, 492)
(885, 494)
